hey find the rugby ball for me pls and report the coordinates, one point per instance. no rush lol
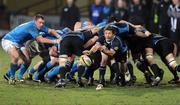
(85, 60)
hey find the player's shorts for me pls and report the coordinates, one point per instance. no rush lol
(164, 47)
(121, 57)
(7, 44)
(136, 47)
(71, 45)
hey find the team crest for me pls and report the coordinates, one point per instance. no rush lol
(116, 48)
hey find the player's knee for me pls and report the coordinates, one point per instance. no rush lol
(149, 58)
(172, 63)
(63, 59)
(54, 61)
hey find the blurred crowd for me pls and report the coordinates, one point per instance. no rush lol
(158, 16)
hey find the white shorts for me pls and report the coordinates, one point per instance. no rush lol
(7, 44)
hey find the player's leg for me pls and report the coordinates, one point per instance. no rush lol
(51, 74)
(168, 57)
(102, 71)
(158, 72)
(25, 65)
(14, 53)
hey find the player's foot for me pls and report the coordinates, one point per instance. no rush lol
(79, 83)
(90, 81)
(37, 80)
(47, 80)
(22, 80)
(148, 77)
(70, 78)
(133, 79)
(157, 79)
(99, 87)
(29, 76)
(174, 81)
(12, 81)
(6, 77)
(61, 83)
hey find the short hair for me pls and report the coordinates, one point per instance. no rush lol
(39, 16)
(109, 27)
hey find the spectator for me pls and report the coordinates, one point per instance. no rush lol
(137, 12)
(120, 12)
(95, 12)
(4, 18)
(174, 14)
(107, 10)
(154, 17)
(69, 15)
(159, 22)
(164, 26)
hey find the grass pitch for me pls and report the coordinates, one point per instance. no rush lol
(31, 93)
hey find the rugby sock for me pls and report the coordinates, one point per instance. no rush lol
(102, 71)
(130, 68)
(155, 69)
(142, 66)
(31, 71)
(177, 68)
(8, 73)
(23, 69)
(81, 71)
(92, 73)
(87, 73)
(36, 76)
(115, 67)
(53, 72)
(13, 69)
(112, 73)
(73, 69)
(62, 72)
(174, 73)
(46, 68)
(41, 66)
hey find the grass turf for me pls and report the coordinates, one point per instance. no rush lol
(32, 93)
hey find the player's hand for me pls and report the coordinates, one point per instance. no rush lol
(77, 26)
(102, 48)
(95, 29)
(87, 52)
(57, 41)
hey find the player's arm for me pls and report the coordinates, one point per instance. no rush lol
(139, 30)
(130, 24)
(109, 52)
(47, 41)
(53, 33)
(93, 49)
(91, 41)
(95, 30)
(142, 32)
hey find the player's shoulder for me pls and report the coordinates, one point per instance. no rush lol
(29, 23)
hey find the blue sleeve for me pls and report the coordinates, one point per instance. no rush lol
(44, 29)
(34, 32)
(122, 28)
(102, 24)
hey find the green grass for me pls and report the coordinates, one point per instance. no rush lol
(45, 94)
